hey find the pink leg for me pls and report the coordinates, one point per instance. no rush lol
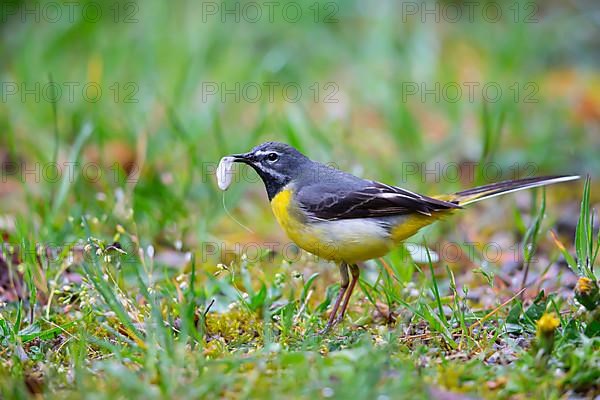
(343, 286)
(355, 271)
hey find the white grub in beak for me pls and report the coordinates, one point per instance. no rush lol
(224, 172)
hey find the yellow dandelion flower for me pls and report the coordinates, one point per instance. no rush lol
(587, 293)
(547, 324)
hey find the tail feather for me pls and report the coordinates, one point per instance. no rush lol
(495, 189)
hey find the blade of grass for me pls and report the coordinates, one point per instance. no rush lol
(531, 238)
(435, 289)
(68, 180)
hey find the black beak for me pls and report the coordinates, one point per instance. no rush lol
(246, 158)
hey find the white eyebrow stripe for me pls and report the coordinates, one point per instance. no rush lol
(262, 152)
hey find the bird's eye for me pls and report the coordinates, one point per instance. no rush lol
(272, 157)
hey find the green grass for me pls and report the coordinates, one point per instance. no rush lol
(128, 278)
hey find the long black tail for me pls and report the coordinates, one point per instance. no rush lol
(495, 189)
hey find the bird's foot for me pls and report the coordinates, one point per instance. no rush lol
(327, 329)
(338, 320)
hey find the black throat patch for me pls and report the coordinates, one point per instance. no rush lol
(274, 181)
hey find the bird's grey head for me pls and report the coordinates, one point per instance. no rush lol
(276, 163)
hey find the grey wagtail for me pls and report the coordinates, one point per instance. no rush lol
(340, 217)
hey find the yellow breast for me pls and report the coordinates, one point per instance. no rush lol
(281, 208)
(293, 222)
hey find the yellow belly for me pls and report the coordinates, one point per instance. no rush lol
(411, 225)
(351, 240)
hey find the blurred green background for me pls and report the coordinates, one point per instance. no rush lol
(114, 115)
(167, 88)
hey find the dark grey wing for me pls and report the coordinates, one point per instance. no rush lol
(373, 199)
